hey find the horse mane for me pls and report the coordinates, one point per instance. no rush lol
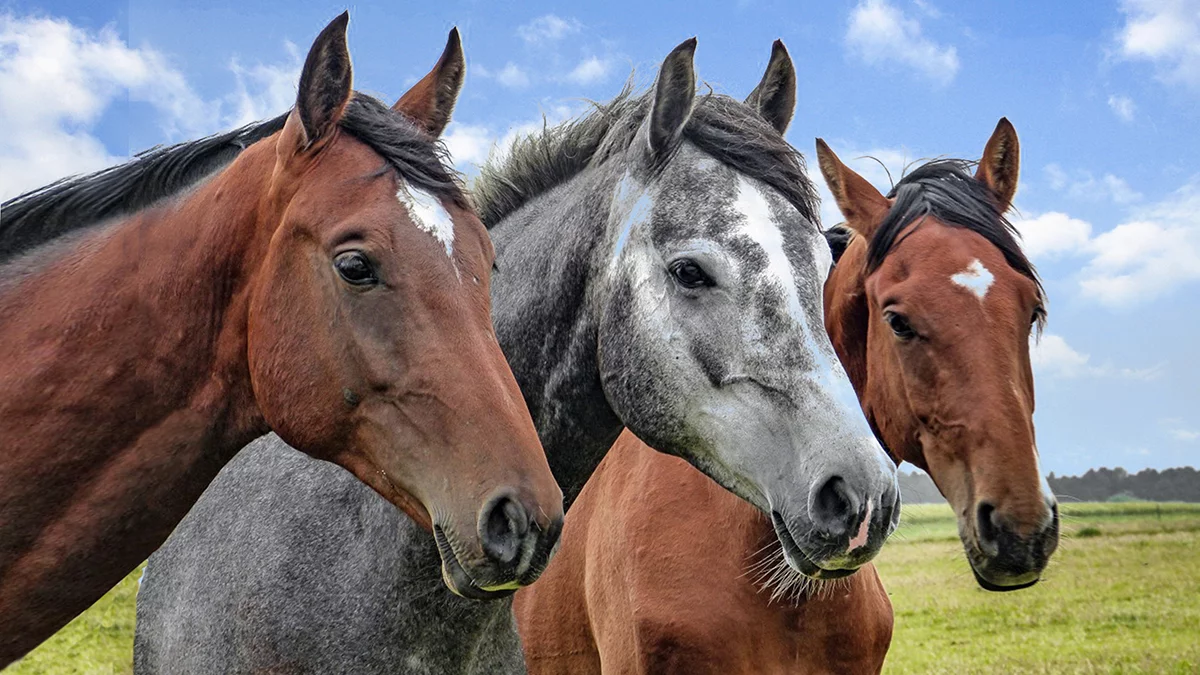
(838, 238)
(728, 130)
(77, 202)
(944, 189)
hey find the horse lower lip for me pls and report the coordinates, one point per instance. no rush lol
(987, 581)
(796, 558)
(987, 585)
(458, 580)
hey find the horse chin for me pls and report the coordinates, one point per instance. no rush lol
(997, 588)
(455, 576)
(798, 560)
(1009, 584)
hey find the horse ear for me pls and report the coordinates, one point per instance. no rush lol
(431, 101)
(324, 83)
(1001, 163)
(775, 97)
(862, 205)
(674, 94)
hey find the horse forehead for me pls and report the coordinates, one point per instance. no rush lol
(760, 225)
(958, 261)
(976, 278)
(701, 198)
(428, 215)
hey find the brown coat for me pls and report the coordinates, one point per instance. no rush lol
(650, 606)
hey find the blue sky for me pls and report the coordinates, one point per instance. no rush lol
(1104, 96)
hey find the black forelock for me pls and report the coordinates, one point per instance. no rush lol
(419, 159)
(946, 190)
(78, 202)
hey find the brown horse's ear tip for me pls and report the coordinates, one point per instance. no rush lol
(338, 25)
(688, 44)
(454, 48)
(778, 46)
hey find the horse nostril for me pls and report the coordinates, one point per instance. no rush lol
(504, 526)
(985, 523)
(835, 506)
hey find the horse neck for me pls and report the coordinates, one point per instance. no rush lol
(847, 313)
(138, 331)
(127, 393)
(544, 305)
(847, 319)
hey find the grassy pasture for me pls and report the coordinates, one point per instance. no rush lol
(1122, 596)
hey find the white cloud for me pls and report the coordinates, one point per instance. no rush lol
(881, 34)
(1056, 176)
(548, 28)
(1118, 190)
(1142, 259)
(590, 71)
(1052, 235)
(1084, 186)
(264, 90)
(1185, 435)
(472, 145)
(1153, 251)
(56, 80)
(468, 144)
(928, 9)
(1053, 357)
(512, 76)
(1123, 107)
(1166, 33)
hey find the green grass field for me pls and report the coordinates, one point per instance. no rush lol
(1122, 596)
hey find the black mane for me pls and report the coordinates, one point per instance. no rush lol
(77, 202)
(944, 189)
(728, 130)
(838, 238)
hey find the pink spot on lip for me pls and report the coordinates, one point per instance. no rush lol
(864, 530)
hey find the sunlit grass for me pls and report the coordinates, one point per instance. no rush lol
(97, 642)
(1125, 600)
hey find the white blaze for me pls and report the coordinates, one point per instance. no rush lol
(828, 374)
(427, 214)
(976, 278)
(762, 228)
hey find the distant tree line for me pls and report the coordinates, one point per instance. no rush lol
(1097, 485)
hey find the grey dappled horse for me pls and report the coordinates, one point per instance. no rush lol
(659, 267)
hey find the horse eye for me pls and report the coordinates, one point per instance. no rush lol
(689, 274)
(355, 268)
(899, 326)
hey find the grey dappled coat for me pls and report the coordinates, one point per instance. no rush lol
(314, 572)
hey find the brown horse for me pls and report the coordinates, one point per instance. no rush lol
(331, 284)
(930, 307)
